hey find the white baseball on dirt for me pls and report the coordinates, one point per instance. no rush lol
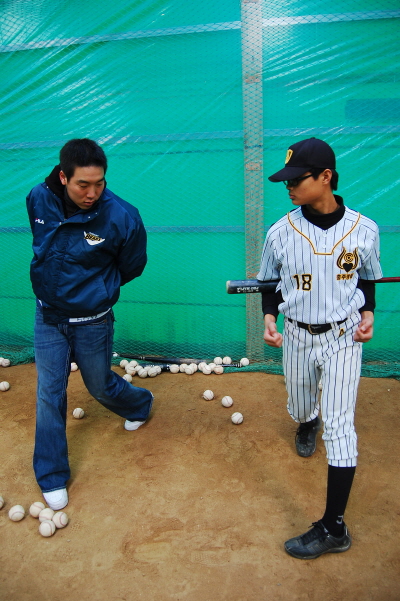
(130, 370)
(174, 369)
(201, 365)
(4, 386)
(218, 360)
(227, 401)
(60, 519)
(189, 370)
(218, 369)
(142, 373)
(206, 370)
(5, 362)
(208, 395)
(127, 377)
(36, 508)
(133, 363)
(46, 514)
(16, 513)
(244, 361)
(182, 367)
(123, 363)
(194, 367)
(227, 360)
(74, 367)
(212, 365)
(237, 418)
(47, 528)
(78, 413)
(153, 372)
(1, 502)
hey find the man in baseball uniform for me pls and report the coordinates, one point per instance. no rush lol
(325, 256)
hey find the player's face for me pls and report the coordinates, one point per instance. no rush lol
(85, 186)
(308, 191)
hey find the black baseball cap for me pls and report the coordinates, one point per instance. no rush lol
(304, 156)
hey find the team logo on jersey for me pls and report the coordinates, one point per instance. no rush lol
(92, 239)
(347, 261)
(288, 155)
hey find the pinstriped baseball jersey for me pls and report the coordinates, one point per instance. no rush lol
(319, 269)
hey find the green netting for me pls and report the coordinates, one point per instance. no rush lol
(192, 104)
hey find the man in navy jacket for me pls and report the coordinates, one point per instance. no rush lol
(87, 243)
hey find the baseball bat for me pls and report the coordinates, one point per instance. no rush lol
(254, 286)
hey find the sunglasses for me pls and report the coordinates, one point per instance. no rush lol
(292, 183)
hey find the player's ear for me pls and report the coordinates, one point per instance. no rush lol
(326, 176)
(63, 178)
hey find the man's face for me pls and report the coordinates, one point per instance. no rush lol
(85, 186)
(309, 190)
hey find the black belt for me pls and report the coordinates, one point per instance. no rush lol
(319, 328)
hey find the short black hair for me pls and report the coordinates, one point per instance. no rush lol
(81, 152)
(334, 179)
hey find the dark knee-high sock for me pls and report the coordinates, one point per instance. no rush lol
(340, 480)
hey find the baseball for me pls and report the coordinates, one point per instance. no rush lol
(201, 365)
(153, 372)
(142, 373)
(244, 361)
(4, 386)
(60, 519)
(237, 418)
(158, 368)
(137, 368)
(212, 365)
(189, 370)
(227, 360)
(123, 363)
(16, 513)
(74, 367)
(1, 502)
(194, 367)
(133, 363)
(78, 413)
(126, 377)
(218, 360)
(5, 362)
(174, 369)
(47, 528)
(218, 369)
(206, 370)
(131, 371)
(36, 508)
(227, 401)
(208, 395)
(46, 514)
(182, 367)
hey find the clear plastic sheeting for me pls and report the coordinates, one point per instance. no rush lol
(194, 112)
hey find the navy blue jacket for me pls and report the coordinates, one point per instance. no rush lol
(80, 263)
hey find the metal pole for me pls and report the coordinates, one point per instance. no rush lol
(253, 164)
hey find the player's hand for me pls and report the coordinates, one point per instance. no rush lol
(365, 328)
(271, 335)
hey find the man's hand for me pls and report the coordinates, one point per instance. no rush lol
(365, 329)
(271, 334)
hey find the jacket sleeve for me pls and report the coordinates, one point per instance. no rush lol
(132, 257)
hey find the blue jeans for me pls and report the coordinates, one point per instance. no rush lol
(91, 347)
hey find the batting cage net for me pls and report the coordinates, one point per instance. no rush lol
(193, 102)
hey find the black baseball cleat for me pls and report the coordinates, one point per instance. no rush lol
(306, 437)
(317, 541)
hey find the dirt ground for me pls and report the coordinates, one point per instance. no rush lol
(193, 508)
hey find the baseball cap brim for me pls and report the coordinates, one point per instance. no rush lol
(288, 173)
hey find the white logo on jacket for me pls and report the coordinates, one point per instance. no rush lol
(92, 238)
(37, 220)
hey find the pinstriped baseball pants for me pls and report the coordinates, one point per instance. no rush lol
(336, 358)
